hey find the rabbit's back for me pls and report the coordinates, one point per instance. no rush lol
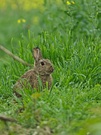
(29, 79)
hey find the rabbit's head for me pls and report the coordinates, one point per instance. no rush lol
(42, 66)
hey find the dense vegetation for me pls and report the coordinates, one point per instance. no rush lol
(69, 34)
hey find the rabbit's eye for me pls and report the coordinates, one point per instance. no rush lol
(42, 63)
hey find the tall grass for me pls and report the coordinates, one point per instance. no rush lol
(68, 35)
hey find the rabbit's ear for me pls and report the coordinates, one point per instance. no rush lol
(37, 54)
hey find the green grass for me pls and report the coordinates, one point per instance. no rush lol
(70, 36)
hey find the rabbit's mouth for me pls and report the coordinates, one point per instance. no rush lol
(51, 69)
(48, 72)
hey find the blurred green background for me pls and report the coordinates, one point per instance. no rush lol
(69, 34)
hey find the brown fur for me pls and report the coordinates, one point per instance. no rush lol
(39, 76)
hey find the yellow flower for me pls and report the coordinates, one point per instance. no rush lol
(68, 2)
(72, 2)
(21, 20)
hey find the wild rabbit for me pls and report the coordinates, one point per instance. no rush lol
(39, 75)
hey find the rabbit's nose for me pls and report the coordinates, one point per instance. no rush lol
(51, 69)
